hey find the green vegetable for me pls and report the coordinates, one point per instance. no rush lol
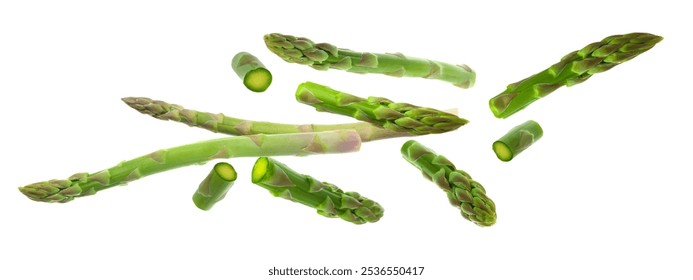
(254, 74)
(233, 126)
(517, 140)
(329, 200)
(462, 191)
(399, 117)
(214, 187)
(323, 56)
(82, 184)
(574, 68)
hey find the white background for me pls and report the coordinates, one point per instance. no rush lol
(605, 194)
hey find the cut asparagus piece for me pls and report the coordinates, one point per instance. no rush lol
(215, 186)
(517, 140)
(323, 56)
(233, 126)
(574, 68)
(253, 73)
(462, 191)
(328, 199)
(82, 184)
(399, 117)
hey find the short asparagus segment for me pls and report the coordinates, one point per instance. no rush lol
(328, 199)
(82, 184)
(253, 73)
(215, 186)
(517, 140)
(574, 68)
(399, 117)
(462, 191)
(233, 126)
(323, 56)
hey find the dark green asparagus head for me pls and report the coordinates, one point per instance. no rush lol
(604, 55)
(302, 51)
(462, 191)
(58, 190)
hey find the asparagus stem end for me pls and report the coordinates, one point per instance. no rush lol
(502, 151)
(258, 80)
(225, 171)
(259, 169)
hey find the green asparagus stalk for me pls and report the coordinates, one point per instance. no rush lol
(517, 140)
(574, 68)
(215, 186)
(328, 199)
(219, 123)
(253, 73)
(462, 191)
(323, 56)
(400, 117)
(82, 184)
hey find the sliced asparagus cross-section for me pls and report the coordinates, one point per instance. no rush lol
(517, 140)
(215, 186)
(253, 73)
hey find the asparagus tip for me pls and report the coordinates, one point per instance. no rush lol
(50, 191)
(133, 100)
(141, 104)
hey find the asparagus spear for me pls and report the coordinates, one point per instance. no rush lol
(82, 184)
(400, 117)
(462, 191)
(323, 56)
(574, 68)
(328, 199)
(215, 186)
(517, 140)
(253, 73)
(233, 126)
